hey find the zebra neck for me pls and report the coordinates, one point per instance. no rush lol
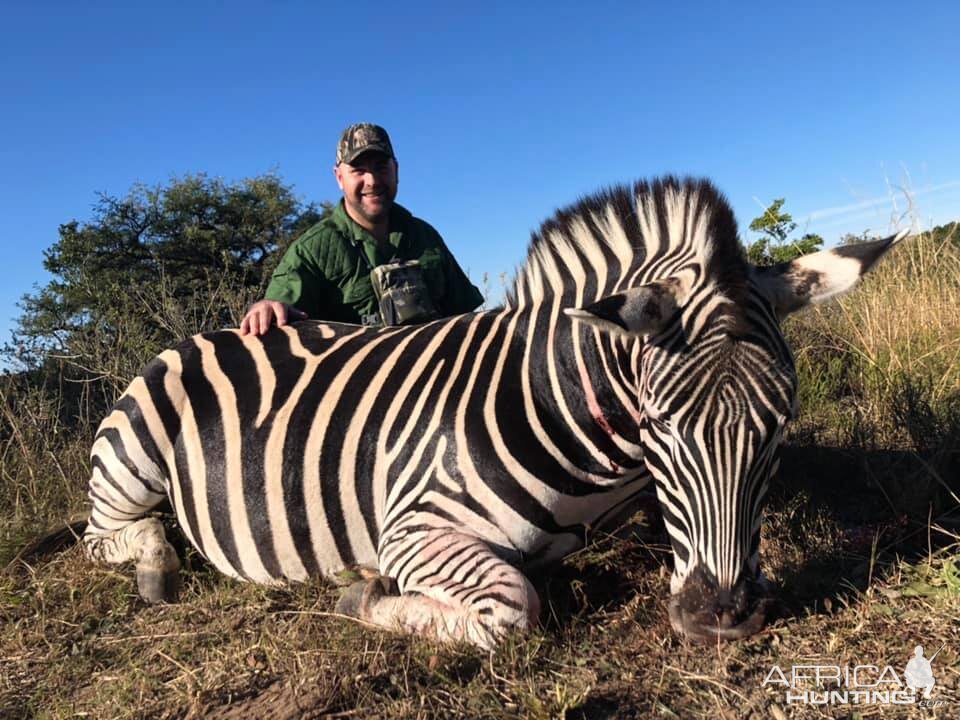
(579, 390)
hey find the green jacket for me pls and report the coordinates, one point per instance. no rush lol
(323, 274)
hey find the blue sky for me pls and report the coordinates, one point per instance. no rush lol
(499, 113)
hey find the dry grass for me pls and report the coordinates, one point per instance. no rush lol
(77, 641)
(902, 326)
(861, 536)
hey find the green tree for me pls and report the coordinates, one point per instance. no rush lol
(774, 245)
(152, 267)
(854, 239)
(949, 232)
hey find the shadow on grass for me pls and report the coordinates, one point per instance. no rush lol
(836, 520)
(839, 518)
(631, 565)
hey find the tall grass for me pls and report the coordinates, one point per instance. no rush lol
(897, 337)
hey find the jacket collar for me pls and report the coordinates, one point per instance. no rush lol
(399, 222)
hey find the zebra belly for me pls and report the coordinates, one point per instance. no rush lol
(263, 534)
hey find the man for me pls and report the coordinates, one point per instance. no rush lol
(325, 274)
(919, 672)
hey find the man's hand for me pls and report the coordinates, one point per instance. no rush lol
(261, 315)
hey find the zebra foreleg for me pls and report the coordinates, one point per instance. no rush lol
(144, 541)
(454, 589)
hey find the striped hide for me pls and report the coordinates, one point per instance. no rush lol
(637, 344)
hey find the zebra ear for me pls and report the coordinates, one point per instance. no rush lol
(819, 276)
(642, 310)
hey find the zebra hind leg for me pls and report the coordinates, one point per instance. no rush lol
(125, 485)
(455, 589)
(143, 541)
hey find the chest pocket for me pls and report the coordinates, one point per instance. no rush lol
(357, 297)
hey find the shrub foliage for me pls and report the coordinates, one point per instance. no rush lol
(154, 266)
(774, 244)
(147, 270)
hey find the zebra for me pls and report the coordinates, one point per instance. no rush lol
(636, 346)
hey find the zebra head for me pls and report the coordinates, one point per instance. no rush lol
(716, 385)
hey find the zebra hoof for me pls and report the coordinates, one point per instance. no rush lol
(355, 601)
(157, 586)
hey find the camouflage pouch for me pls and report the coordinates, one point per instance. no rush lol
(402, 293)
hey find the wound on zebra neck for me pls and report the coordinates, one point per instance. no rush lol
(596, 412)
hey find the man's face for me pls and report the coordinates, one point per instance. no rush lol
(369, 185)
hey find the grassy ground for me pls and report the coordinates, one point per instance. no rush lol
(861, 537)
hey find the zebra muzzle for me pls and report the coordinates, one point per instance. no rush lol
(703, 613)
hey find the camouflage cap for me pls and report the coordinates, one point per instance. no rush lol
(361, 138)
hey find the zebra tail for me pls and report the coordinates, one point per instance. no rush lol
(53, 541)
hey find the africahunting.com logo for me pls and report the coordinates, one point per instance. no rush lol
(858, 684)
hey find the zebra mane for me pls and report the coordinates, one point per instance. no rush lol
(625, 236)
